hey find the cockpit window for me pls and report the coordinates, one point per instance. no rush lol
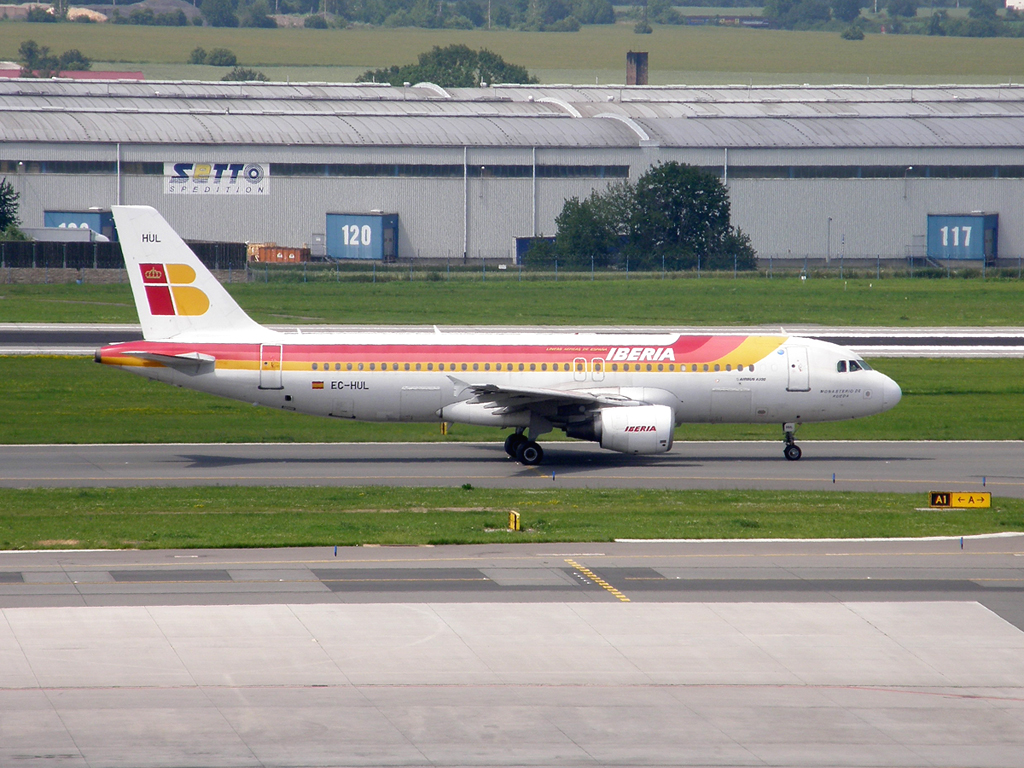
(854, 366)
(841, 366)
(864, 365)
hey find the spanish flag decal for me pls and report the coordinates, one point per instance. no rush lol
(318, 385)
(170, 291)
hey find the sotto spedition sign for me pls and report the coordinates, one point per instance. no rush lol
(216, 178)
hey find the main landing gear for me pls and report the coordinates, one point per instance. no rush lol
(523, 449)
(792, 450)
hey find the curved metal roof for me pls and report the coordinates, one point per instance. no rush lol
(318, 114)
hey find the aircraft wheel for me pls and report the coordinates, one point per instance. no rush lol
(529, 453)
(512, 443)
(792, 452)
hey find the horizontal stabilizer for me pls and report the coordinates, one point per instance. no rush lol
(189, 362)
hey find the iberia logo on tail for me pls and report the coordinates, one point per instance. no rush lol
(170, 291)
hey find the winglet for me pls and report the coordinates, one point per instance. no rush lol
(175, 294)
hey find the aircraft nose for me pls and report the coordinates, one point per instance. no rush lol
(891, 392)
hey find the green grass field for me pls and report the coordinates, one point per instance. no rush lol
(685, 301)
(677, 54)
(73, 400)
(153, 518)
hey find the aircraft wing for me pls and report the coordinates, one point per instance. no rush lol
(510, 399)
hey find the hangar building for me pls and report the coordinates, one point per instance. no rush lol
(425, 172)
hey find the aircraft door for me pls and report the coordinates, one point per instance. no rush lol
(799, 370)
(579, 369)
(597, 368)
(270, 366)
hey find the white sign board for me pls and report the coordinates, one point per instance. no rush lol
(216, 178)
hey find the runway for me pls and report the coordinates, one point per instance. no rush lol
(83, 339)
(901, 653)
(911, 466)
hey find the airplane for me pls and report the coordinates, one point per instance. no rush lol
(626, 391)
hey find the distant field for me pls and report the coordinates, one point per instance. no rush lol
(680, 301)
(65, 400)
(677, 54)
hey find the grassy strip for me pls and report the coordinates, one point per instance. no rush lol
(73, 400)
(673, 49)
(719, 300)
(269, 517)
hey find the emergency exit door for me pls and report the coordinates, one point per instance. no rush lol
(799, 370)
(270, 366)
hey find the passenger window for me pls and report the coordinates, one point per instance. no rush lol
(430, 366)
(465, 367)
(693, 368)
(615, 366)
(661, 367)
(348, 366)
(314, 366)
(497, 366)
(717, 367)
(417, 366)
(520, 366)
(394, 367)
(750, 368)
(337, 366)
(487, 366)
(371, 366)
(476, 366)
(854, 366)
(728, 367)
(543, 366)
(739, 367)
(360, 366)
(841, 366)
(533, 366)
(649, 367)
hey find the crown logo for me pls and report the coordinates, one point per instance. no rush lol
(154, 274)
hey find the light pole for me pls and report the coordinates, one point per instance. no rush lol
(905, 173)
(828, 242)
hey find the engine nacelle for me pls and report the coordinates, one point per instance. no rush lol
(636, 429)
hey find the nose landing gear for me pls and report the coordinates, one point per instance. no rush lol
(792, 451)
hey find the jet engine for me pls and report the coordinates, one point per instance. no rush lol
(629, 429)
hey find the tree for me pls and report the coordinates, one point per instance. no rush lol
(590, 230)
(846, 10)
(680, 212)
(984, 9)
(221, 57)
(244, 74)
(674, 215)
(73, 60)
(218, 13)
(8, 205)
(37, 61)
(905, 8)
(455, 66)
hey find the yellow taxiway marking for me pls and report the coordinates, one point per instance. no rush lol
(597, 580)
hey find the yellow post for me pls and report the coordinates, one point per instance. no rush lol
(444, 427)
(513, 520)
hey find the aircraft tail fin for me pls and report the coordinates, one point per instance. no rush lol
(175, 294)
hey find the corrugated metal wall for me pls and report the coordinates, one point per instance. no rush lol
(784, 217)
